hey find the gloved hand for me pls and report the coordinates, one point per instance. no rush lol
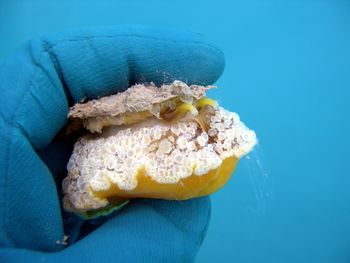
(38, 84)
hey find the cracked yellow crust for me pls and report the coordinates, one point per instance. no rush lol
(181, 149)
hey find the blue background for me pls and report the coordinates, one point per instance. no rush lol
(288, 76)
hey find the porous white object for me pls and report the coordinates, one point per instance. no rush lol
(117, 154)
(167, 151)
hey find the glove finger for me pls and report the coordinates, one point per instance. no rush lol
(100, 61)
(30, 209)
(146, 231)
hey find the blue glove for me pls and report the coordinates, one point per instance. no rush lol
(38, 84)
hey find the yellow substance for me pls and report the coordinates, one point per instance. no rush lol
(190, 187)
(128, 118)
(206, 102)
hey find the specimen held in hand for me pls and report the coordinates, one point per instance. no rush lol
(168, 142)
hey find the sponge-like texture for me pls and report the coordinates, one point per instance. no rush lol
(156, 155)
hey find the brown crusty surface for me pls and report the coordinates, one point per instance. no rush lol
(137, 98)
